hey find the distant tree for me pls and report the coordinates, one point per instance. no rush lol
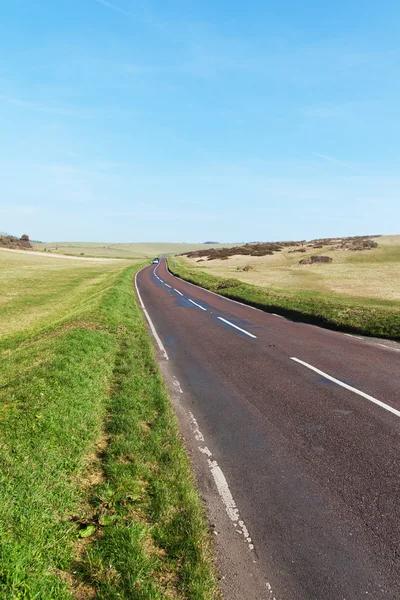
(25, 238)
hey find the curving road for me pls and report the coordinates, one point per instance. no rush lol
(302, 430)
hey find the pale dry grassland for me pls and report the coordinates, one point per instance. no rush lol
(38, 291)
(364, 274)
(128, 251)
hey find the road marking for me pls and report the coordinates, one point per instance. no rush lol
(213, 293)
(236, 327)
(195, 303)
(168, 285)
(150, 322)
(348, 387)
(389, 347)
(222, 485)
(353, 336)
(178, 292)
(275, 315)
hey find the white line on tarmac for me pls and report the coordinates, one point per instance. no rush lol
(389, 347)
(178, 292)
(236, 327)
(222, 485)
(150, 322)
(195, 303)
(348, 387)
(275, 315)
(167, 285)
(353, 336)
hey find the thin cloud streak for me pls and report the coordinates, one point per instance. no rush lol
(49, 110)
(338, 162)
(116, 8)
(148, 21)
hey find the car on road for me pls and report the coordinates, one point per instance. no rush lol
(155, 261)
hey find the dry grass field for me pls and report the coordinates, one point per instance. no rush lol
(366, 274)
(128, 251)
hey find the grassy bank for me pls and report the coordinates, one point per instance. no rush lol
(364, 315)
(97, 498)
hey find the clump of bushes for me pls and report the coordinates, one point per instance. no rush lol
(315, 259)
(15, 243)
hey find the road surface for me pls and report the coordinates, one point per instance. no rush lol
(300, 429)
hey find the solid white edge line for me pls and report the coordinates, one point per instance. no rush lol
(236, 327)
(348, 387)
(195, 303)
(214, 294)
(259, 309)
(150, 322)
(353, 336)
(178, 292)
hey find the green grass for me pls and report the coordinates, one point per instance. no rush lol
(367, 316)
(90, 445)
(121, 250)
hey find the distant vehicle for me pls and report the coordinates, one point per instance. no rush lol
(155, 261)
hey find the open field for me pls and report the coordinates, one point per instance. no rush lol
(369, 273)
(359, 290)
(97, 498)
(129, 251)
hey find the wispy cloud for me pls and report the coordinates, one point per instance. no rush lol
(116, 8)
(49, 110)
(338, 162)
(148, 20)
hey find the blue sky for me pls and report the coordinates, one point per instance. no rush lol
(130, 120)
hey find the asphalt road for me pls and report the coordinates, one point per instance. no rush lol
(312, 462)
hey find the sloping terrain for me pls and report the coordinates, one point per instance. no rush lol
(97, 498)
(121, 250)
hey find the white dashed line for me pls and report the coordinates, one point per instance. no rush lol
(195, 303)
(168, 285)
(178, 292)
(222, 485)
(279, 316)
(353, 336)
(389, 347)
(348, 387)
(238, 328)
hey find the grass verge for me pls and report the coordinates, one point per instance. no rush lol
(97, 498)
(371, 317)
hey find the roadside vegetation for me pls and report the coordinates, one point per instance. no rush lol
(356, 290)
(97, 498)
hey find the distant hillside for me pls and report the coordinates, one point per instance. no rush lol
(14, 243)
(355, 243)
(121, 250)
